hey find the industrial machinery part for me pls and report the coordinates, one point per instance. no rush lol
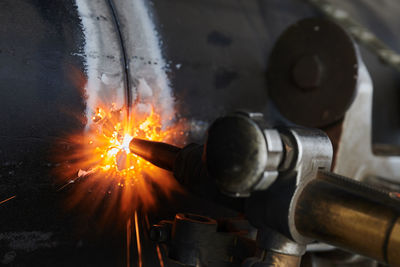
(227, 157)
(335, 210)
(208, 51)
(353, 134)
(275, 249)
(350, 215)
(313, 72)
(305, 203)
(355, 137)
(195, 240)
(359, 32)
(242, 162)
(242, 154)
(273, 260)
(306, 183)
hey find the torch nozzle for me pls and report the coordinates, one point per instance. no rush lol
(160, 154)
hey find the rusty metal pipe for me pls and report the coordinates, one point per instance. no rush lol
(160, 154)
(350, 215)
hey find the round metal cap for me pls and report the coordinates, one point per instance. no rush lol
(236, 154)
(313, 72)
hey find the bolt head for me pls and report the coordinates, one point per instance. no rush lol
(307, 73)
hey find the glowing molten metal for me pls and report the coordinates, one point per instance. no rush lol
(110, 171)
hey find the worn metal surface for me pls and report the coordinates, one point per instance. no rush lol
(355, 139)
(214, 66)
(369, 20)
(312, 73)
(272, 259)
(359, 32)
(196, 240)
(241, 155)
(270, 240)
(59, 59)
(306, 151)
(40, 96)
(308, 202)
(192, 237)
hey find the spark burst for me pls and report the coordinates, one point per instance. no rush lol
(5, 200)
(105, 168)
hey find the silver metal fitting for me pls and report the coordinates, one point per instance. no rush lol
(242, 154)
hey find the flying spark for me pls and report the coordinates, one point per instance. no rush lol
(110, 171)
(5, 200)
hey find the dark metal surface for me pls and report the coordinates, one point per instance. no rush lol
(271, 240)
(188, 166)
(208, 81)
(217, 54)
(242, 155)
(41, 101)
(381, 18)
(236, 154)
(191, 236)
(306, 203)
(312, 74)
(196, 240)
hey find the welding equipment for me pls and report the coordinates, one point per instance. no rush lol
(80, 78)
(283, 175)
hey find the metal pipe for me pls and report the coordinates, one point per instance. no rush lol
(350, 215)
(160, 154)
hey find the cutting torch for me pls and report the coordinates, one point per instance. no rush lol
(283, 176)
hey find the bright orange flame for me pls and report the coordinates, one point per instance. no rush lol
(139, 246)
(108, 172)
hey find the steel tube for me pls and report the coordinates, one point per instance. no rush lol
(350, 215)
